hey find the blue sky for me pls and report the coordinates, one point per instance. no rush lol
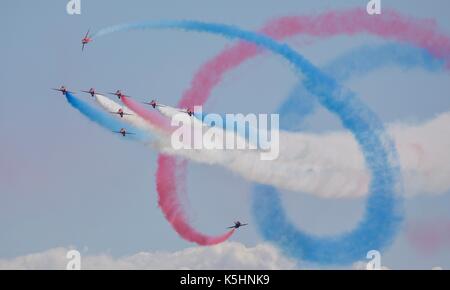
(67, 182)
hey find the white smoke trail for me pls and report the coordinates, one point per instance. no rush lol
(325, 165)
(129, 116)
(331, 165)
(203, 155)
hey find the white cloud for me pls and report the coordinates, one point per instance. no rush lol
(229, 255)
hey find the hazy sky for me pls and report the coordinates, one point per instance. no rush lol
(67, 182)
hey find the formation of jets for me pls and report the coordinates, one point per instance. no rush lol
(92, 92)
(119, 94)
(86, 39)
(124, 132)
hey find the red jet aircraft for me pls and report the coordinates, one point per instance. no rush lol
(120, 112)
(63, 90)
(123, 132)
(85, 40)
(237, 225)
(118, 93)
(152, 103)
(91, 92)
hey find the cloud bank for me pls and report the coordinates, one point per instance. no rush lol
(228, 255)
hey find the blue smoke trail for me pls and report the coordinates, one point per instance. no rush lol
(106, 120)
(383, 212)
(360, 61)
(368, 58)
(300, 103)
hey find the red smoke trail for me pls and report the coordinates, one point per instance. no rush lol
(169, 184)
(152, 117)
(166, 184)
(389, 25)
(169, 202)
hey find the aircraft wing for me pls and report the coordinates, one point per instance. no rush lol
(157, 104)
(182, 111)
(115, 94)
(59, 90)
